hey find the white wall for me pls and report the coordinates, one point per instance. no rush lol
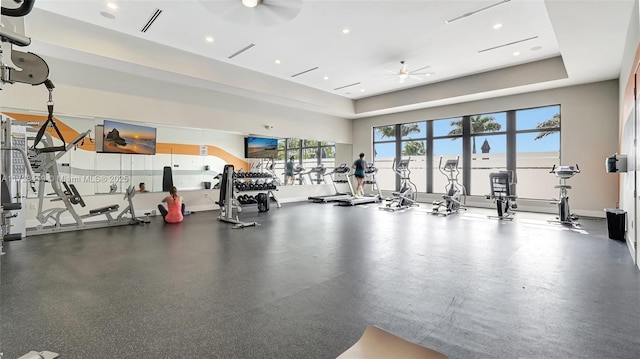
(83, 90)
(589, 134)
(629, 130)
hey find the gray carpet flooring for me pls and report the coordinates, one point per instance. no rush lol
(311, 277)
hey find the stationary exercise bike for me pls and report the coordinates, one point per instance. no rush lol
(503, 185)
(564, 213)
(407, 195)
(456, 194)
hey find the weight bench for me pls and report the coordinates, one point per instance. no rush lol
(376, 343)
(105, 209)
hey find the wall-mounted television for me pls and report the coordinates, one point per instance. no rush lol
(260, 147)
(119, 137)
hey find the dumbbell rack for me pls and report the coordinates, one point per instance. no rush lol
(241, 179)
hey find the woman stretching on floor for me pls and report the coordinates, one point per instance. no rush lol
(175, 206)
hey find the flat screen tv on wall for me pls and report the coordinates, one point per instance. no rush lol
(121, 137)
(259, 147)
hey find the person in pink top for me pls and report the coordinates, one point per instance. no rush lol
(174, 205)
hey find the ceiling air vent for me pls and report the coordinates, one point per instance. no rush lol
(476, 11)
(151, 20)
(305, 71)
(507, 44)
(342, 87)
(241, 51)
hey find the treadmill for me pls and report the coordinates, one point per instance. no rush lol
(339, 174)
(369, 179)
(316, 174)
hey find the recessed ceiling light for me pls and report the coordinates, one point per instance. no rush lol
(112, 5)
(209, 38)
(108, 15)
(430, 74)
(346, 30)
(536, 48)
(497, 26)
(326, 77)
(361, 90)
(277, 61)
(516, 53)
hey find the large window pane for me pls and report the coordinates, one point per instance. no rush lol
(278, 166)
(310, 153)
(311, 143)
(417, 151)
(445, 149)
(328, 157)
(413, 130)
(383, 155)
(535, 157)
(447, 127)
(294, 143)
(384, 133)
(541, 117)
(295, 154)
(490, 122)
(493, 158)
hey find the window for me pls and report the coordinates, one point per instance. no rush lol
(384, 133)
(416, 150)
(307, 153)
(493, 158)
(384, 152)
(445, 149)
(447, 145)
(383, 155)
(526, 141)
(537, 150)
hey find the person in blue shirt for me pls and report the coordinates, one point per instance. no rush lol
(288, 172)
(359, 165)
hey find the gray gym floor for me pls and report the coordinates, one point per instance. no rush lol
(308, 281)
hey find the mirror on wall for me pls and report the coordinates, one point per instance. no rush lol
(194, 156)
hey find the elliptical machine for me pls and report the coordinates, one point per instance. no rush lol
(407, 195)
(456, 194)
(503, 185)
(564, 213)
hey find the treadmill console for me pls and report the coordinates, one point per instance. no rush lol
(343, 168)
(370, 168)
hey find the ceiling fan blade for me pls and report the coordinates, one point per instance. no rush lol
(269, 15)
(221, 7)
(422, 68)
(388, 73)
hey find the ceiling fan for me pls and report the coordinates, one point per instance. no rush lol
(254, 12)
(404, 73)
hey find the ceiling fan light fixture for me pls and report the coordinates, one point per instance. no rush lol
(251, 3)
(403, 75)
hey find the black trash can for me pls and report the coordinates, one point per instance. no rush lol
(616, 223)
(263, 202)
